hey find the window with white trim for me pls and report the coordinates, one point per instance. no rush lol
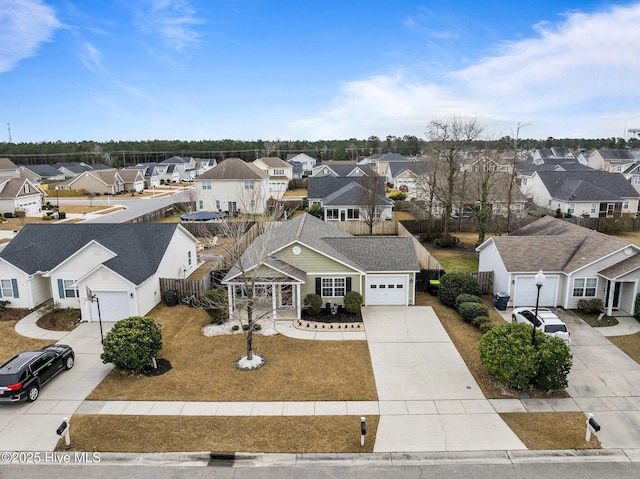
(333, 287)
(248, 184)
(584, 287)
(636, 180)
(206, 185)
(594, 208)
(332, 213)
(69, 290)
(625, 205)
(572, 208)
(7, 288)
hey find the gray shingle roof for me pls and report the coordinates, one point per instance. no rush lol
(139, 247)
(353, 194)
(591, 185)
(323, 186)
(233, 169)
(552, 244)
(371, 253)
(43, 171)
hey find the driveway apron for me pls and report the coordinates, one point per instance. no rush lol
(428, 399)
(32, 426)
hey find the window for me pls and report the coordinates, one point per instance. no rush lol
(248, 184)
(201, 204)
(594, 208)
(332, 213)
(584, 287)
(278, 172)
(206, 185)
(636, 180)
(68, 289)
(333, 287)
(7, 288)
(353, 214)
(523, 181)
(218, 205)
(189, 257)
(572, 208)
(625, 205)
(497, 208)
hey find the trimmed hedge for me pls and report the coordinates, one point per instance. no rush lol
(507, 354)
(454, 284)
(469, 311)
(352, 302)
(467, 298)
(594, 305)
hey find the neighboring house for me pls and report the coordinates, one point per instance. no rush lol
(9, 168)
(587, 193)
(104, 182)
(149, 172)
(297, 170)
(186, 167)
(341, 169)
(380, 161)
(632, 174)
(132, 180)
(233, 186)
(280, 173)
(120, 263)
(578, 263)
(41, 173)
(20, 194)
(306, 255)
(613, 161)
(406, 175)
(543, 155)
(484, 163)
(305, 160)
(73, 169)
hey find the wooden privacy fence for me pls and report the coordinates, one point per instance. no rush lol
(185, 287)
(485, 278)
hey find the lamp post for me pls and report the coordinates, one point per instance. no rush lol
(58, 197)
(539, 279)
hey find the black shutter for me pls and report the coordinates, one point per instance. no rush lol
(348, 288)
(318, 287)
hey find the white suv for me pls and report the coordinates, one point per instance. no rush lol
(547, 322)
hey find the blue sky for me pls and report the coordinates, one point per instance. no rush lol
(103, 70)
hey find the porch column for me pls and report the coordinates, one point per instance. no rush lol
(298, 302)
(274, 293)
(230, 300)
(612, 290)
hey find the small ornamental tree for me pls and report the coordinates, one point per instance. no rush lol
(132, 343)
(352, 302)
(454, 284)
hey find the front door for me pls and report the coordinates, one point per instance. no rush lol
(616, 296)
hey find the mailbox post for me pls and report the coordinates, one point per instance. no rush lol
(592, 426)
(63, 429)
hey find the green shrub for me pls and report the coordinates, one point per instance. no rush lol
(4, 304)
(555, 361)
(454, 284)
(507, 355)
(352, 302)
(235, 327)
(8, 214)
(132, 343)
(594, 305)
(312, 304)
(47, 217)
(483, 323)
(469, 311)
(215, 303)
(398, 196)
(467, 298)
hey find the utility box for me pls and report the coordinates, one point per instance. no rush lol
(501, 300)
(171, 297)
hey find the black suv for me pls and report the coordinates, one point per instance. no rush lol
(24, 374)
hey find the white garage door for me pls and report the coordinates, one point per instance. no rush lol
(386, 290)
(114, 305)
(526, 291)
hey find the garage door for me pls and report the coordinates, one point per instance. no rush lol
(114, 305)
(386, 290)
(525, 291)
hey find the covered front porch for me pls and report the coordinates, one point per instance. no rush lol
(274, 298)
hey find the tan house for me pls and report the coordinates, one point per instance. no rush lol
(133, 179)
(104, 182)
(9, 168)
(279, 171)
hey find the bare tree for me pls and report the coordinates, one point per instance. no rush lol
(449, 139)
(371, 199)
(512, 185)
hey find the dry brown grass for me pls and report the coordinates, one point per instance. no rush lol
(548, 430)
(12, 343)
(629, 344)
(289, 434)
(203, 369)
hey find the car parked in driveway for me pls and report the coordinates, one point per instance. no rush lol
(22, 377)
(547, 322)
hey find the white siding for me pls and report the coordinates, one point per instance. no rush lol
(226, 191)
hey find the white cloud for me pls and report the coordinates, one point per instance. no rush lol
(173, 20)
(24, 25)
(91, 57)
(576, 78)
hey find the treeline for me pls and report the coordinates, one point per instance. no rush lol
(123, 153)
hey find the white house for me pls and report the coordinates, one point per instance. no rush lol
(578, 263)
(20, 194)
(234, 186)
(305, 160)
(119, 265)
(280, 173)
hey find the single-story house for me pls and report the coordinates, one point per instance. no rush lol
(305, 255)
(578, 263)
(41, 173)
(132, 179)
(20, 194)
(105, 182)
(118, 264)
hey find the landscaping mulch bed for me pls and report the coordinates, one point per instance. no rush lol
(13, 314)
(60, 320)
(163, 366)
(340, 317)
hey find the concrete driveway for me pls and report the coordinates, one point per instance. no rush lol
(428, 399)
(32, 426)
